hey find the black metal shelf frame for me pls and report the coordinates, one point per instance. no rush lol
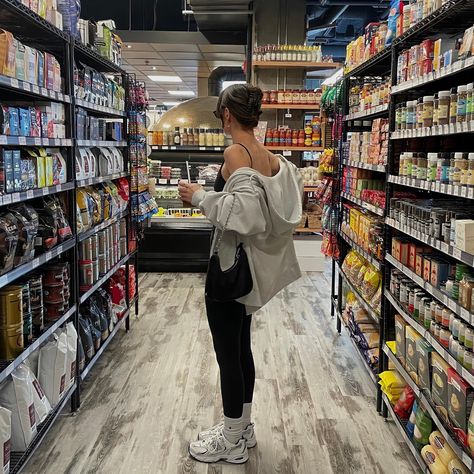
(37, 32)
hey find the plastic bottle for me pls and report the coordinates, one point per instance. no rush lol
(209, 140)
(177, 136)
(202, 137)
(221, 138)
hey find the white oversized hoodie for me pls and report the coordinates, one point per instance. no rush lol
(265, 213)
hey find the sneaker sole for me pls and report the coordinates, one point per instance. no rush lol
(211, 460)
(250, 443)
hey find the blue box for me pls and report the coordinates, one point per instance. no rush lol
(16, 170)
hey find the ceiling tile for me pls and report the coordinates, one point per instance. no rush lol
(177, 55)
(190, 48)
(224, 57)
(221, 48)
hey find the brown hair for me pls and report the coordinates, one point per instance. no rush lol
(244, 103)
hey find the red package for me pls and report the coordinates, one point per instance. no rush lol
(405, 403)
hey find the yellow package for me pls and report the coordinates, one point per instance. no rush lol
(41, 171)
(48, 160)
(442, 448)
(432, 460)
(82, 201)
(392, 379)
(457, 467)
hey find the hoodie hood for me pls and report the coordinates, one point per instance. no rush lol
(283, 193)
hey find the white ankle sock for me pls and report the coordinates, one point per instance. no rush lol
(246, 415)
(233, 429)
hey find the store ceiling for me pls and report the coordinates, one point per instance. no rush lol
(185, 60)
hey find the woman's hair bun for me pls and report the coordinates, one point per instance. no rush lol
(255, 99)
(244, 103)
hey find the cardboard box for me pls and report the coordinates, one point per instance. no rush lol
(411, 339)
(460, 401)
(16, 170)
(427, 268)
(7, 168)
(465, 235)
(439, 271)
(8, 45)
(400, 339)
(424, 363)
(439, 384)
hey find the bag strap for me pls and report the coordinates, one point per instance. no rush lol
(221, 235)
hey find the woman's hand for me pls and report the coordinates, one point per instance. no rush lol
(186, 190)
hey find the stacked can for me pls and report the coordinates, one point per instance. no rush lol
(123, 238)
(27, 314)
(56, 291)
(88, 263)
(11, 322)
(35, 283)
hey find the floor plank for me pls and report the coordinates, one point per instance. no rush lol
(156, 387)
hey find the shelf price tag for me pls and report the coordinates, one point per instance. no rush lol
(22, 140)
(14, 83)
(162, 181)
(465, 314)
(470, 193)
(36, 89)
(288, 115)
(45, 191)
(202, 182)
(457, 253)
(174, 181)
(29, 194)
(286, 153)
(3, 140)
(7, 199)
(444, 247)
(37, 141)
(15, 197)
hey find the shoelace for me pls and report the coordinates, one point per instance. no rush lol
(215, 443)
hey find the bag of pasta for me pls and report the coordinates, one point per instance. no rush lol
(370, 283)
(95, 201)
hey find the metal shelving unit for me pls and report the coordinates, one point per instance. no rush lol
(37, 32)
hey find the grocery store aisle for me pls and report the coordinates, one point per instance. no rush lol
(158, 386)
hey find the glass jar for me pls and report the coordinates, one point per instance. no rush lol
(419, 113)
(281, 96)
(411, 114)
(428, 106)
(296, 96)
(209, 140)
(266, 97)
(432, 167)
(470, 102)
(422, 169)
(444, 106)
(301, 138)
(468, 360)
(453, 107)
(288, 97)
(461, 166)
(215, 137)
(303, 97)
(294, 138)
(273, 97)
(403, 117)
(221, 138)
(461, 104)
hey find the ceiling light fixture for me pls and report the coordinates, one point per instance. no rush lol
(165, 78)
(171, 104)
(129, 46)
(182, 93)
(154, 68)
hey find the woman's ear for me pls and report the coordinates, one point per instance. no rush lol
(227, 115)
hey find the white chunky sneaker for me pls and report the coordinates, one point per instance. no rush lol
(217, 448)
(248, 434)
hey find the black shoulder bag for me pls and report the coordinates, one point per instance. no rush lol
(231, 284)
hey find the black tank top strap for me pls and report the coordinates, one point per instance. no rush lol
(247, 150)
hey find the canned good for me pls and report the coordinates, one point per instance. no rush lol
(53, 294)
(38, 321)
(95, 269)
(11, 306)
(94, 247)
(55, 274)
(123, 249)
(27, 329)
(54, 311)
(102, 242)
(102, 264)
(36, 291)
(11, 341)
(25, 296)
(123, 228)
(85, 249)
(86, 274)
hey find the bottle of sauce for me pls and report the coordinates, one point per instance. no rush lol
(196, 137)
(281, 96)
(301, 138)
(215, 137)
(453, 108)
(177, 136)
(221, 138)
(184, 137)
(165, 138)
(269, 137)
(294, 138)
(209, 140)
(202, 137)
(288, 138)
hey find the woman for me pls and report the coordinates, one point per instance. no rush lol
(258, 202)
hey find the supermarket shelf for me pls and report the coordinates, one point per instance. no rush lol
(376, 263)
(94, 59)
(369, 371)
(100, 179)
(376, 65)
(372, 112)
(308, 230)
(10, 366)
(21, 21)
(291, 107)
(453, 16)
(29, 141)
(33, 89)
(187, 148)
(449, 189)
(458, 67)
(12, 198)
(365, 166)
(306, 65)
(294, 148)
(429, 288)
(104, 345)
(90, 143)
(18, 460)
(401, 427)
(89, 233)
(426, 400)
(432, 242)
(446, 355)
(365, 205)
(441, 130)
(100, 108)
(310, 189)
(102, 280)
(372, 312)
(36, 262)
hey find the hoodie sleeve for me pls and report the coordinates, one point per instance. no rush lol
(247, 216)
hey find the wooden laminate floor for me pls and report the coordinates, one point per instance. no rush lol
(157, 386)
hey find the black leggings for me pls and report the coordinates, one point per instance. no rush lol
(230, 329)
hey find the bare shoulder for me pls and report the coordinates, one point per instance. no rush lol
(235, 157)
(274, 163)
